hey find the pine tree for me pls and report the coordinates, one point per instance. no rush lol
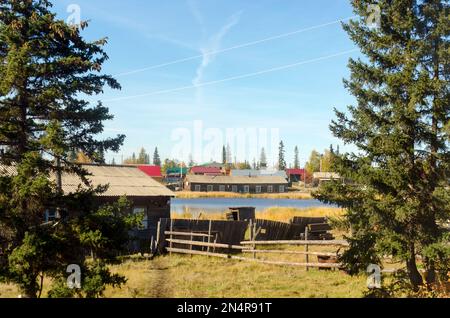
(398, 198)
(281, 160)
(45, 69)
(156, 158)
(263, 159)
(224, 155)
(296, 158)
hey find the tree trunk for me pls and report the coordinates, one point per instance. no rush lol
(431, 277)
(413, 273)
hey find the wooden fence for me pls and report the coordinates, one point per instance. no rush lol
(219, 232)
(250, 247)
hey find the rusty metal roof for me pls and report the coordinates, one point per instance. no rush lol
(122, 181)
(236, 179)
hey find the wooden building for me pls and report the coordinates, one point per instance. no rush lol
(147, 195)
(237, 184)
(296, 175)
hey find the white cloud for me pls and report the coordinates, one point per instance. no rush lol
(213, 44)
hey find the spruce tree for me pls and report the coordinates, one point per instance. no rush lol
(281, 159)
(46, 67)
(224, 155)
(156, 158)
(398, 198)
(263, 159)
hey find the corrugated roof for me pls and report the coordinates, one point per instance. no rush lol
(326, 175)
(7, 170)
(254, 173)
(209, 170)
(152, 171)
(129, 181)
(122, 180)
(236, 180)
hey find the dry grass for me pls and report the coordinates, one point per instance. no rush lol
(190, 277)
(297, 195)
(279, 214)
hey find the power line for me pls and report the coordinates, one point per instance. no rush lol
(232, 48)
(274, 69)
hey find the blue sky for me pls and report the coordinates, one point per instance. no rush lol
(235, 89)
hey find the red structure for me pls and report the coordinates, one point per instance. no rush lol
(206, 171)
(295, 175)
(151, 171)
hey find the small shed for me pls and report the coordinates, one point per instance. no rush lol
(241, 214)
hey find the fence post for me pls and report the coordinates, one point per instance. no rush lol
(192, 239)
(171, 231)
(307, 248)
(158, 233)
(209, 233)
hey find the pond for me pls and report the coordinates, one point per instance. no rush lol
(215, 205)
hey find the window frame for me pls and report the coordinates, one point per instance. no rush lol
(144, 226)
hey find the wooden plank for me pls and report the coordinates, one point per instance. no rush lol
(217, 245)
(321, 227)
(187, 234)
(317, 265)
(293, 242)
(307, 247)
(290, 252)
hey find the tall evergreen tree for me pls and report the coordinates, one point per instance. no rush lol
(156, 158)
(224, 155)
(296, 158)
(263, 159)
(281, 159)
(398, 198)
(45, 69)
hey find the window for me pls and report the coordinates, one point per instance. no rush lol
(281, 189)
(234, 188)
(197, 188)
(142, 210)
(210, 188)
(222, 188)
(50, 215)
(258, 189)
(246, 189)
(270, 189)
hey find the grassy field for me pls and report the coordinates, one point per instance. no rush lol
(297, 195)
(185, 277)
(180, 276)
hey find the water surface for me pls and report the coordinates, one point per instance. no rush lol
(214, 205)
